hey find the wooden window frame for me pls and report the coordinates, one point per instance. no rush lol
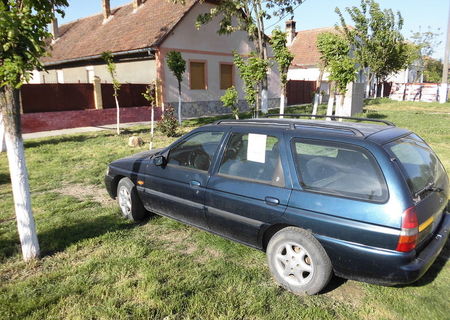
(205, 62)
(233, 82)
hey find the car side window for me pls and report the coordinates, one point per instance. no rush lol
(197, 151)
(253, 157)
(339, 169)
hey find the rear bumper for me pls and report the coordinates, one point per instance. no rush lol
(414, 270)
(387, 267)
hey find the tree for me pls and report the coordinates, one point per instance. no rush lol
(111, 66)
(250, 16)
(23, 41)
(177, 65)
(252, 71)
(230, 100)
(335, 56)
(376, 40)
(426, 42)
(284, 58)
(433, 70)
(150, 96)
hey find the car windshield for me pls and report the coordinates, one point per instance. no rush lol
(418, 162)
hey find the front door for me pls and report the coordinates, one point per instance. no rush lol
(177, 190)
(248, 189)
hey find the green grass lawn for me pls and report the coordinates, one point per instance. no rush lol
(96, 265)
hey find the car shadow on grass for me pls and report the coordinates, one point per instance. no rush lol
(334, 283)
(58, 239)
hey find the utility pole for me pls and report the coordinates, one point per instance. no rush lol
(444, 85)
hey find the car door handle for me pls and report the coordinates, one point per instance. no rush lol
(272, 201)
(195, 184)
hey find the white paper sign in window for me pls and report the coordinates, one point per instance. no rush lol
(256, 150)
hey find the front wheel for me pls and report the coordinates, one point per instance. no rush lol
(298, 262)
(129, 202)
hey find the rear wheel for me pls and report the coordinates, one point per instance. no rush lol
(129, 202)
(298, 262)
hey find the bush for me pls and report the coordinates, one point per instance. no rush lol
(230, 100)
(168, 125)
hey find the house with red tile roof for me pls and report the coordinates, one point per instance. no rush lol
(306, 63)
(139, 35)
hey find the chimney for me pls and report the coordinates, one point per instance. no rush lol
(106, 9)
(136, 4)
(55, 30)
(290, 30)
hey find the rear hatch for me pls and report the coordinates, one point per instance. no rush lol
(427, 181)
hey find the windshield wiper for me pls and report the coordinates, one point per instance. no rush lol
(430, 187)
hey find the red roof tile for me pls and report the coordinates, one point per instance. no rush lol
(126, 30)
(304, 47)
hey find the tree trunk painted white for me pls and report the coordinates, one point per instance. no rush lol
(117, 114)
(382, 89)
(2, 135)
(282, 100)
(152, 127)
(317, 93)
(10, 109)
(367, 90)
(179, 108)
(443, 90)
(264, 99)
(331, 102)
(316, 103)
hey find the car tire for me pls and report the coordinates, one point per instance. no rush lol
(130, 205)
(298, 262)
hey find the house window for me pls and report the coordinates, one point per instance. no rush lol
(197, 75)
(226, 76)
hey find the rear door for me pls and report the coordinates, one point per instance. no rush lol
(427, 180)
(248, 189)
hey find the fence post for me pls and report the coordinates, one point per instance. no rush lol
(98, 101)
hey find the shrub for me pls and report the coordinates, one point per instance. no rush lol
(230, 100)
(168, 125)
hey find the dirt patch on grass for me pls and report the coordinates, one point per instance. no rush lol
(349, 293)
(86, 193)
(183, 242)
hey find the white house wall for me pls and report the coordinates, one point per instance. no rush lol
(307, 74)
(127, 72)
(208, 46)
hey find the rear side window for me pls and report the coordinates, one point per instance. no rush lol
(418, 162)
(339, 169)
(253, 157)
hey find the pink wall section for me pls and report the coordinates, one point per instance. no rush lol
(45, 121)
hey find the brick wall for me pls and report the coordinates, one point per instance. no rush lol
(46, 121)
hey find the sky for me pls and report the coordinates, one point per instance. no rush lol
(418, 14)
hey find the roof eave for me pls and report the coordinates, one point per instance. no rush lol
(151, 52)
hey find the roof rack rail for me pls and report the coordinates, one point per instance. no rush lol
(252, 121)
(299, 115)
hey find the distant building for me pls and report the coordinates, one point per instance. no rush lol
(139, 35)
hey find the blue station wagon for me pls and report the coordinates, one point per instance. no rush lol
(363, 201)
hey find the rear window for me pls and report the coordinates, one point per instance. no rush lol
(339, 169)
(419, 163)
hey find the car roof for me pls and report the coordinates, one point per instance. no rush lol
(378, 131)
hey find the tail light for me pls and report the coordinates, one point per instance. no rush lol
(410, 231)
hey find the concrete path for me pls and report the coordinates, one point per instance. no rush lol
(44, 134)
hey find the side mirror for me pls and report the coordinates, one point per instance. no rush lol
(159, 161)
